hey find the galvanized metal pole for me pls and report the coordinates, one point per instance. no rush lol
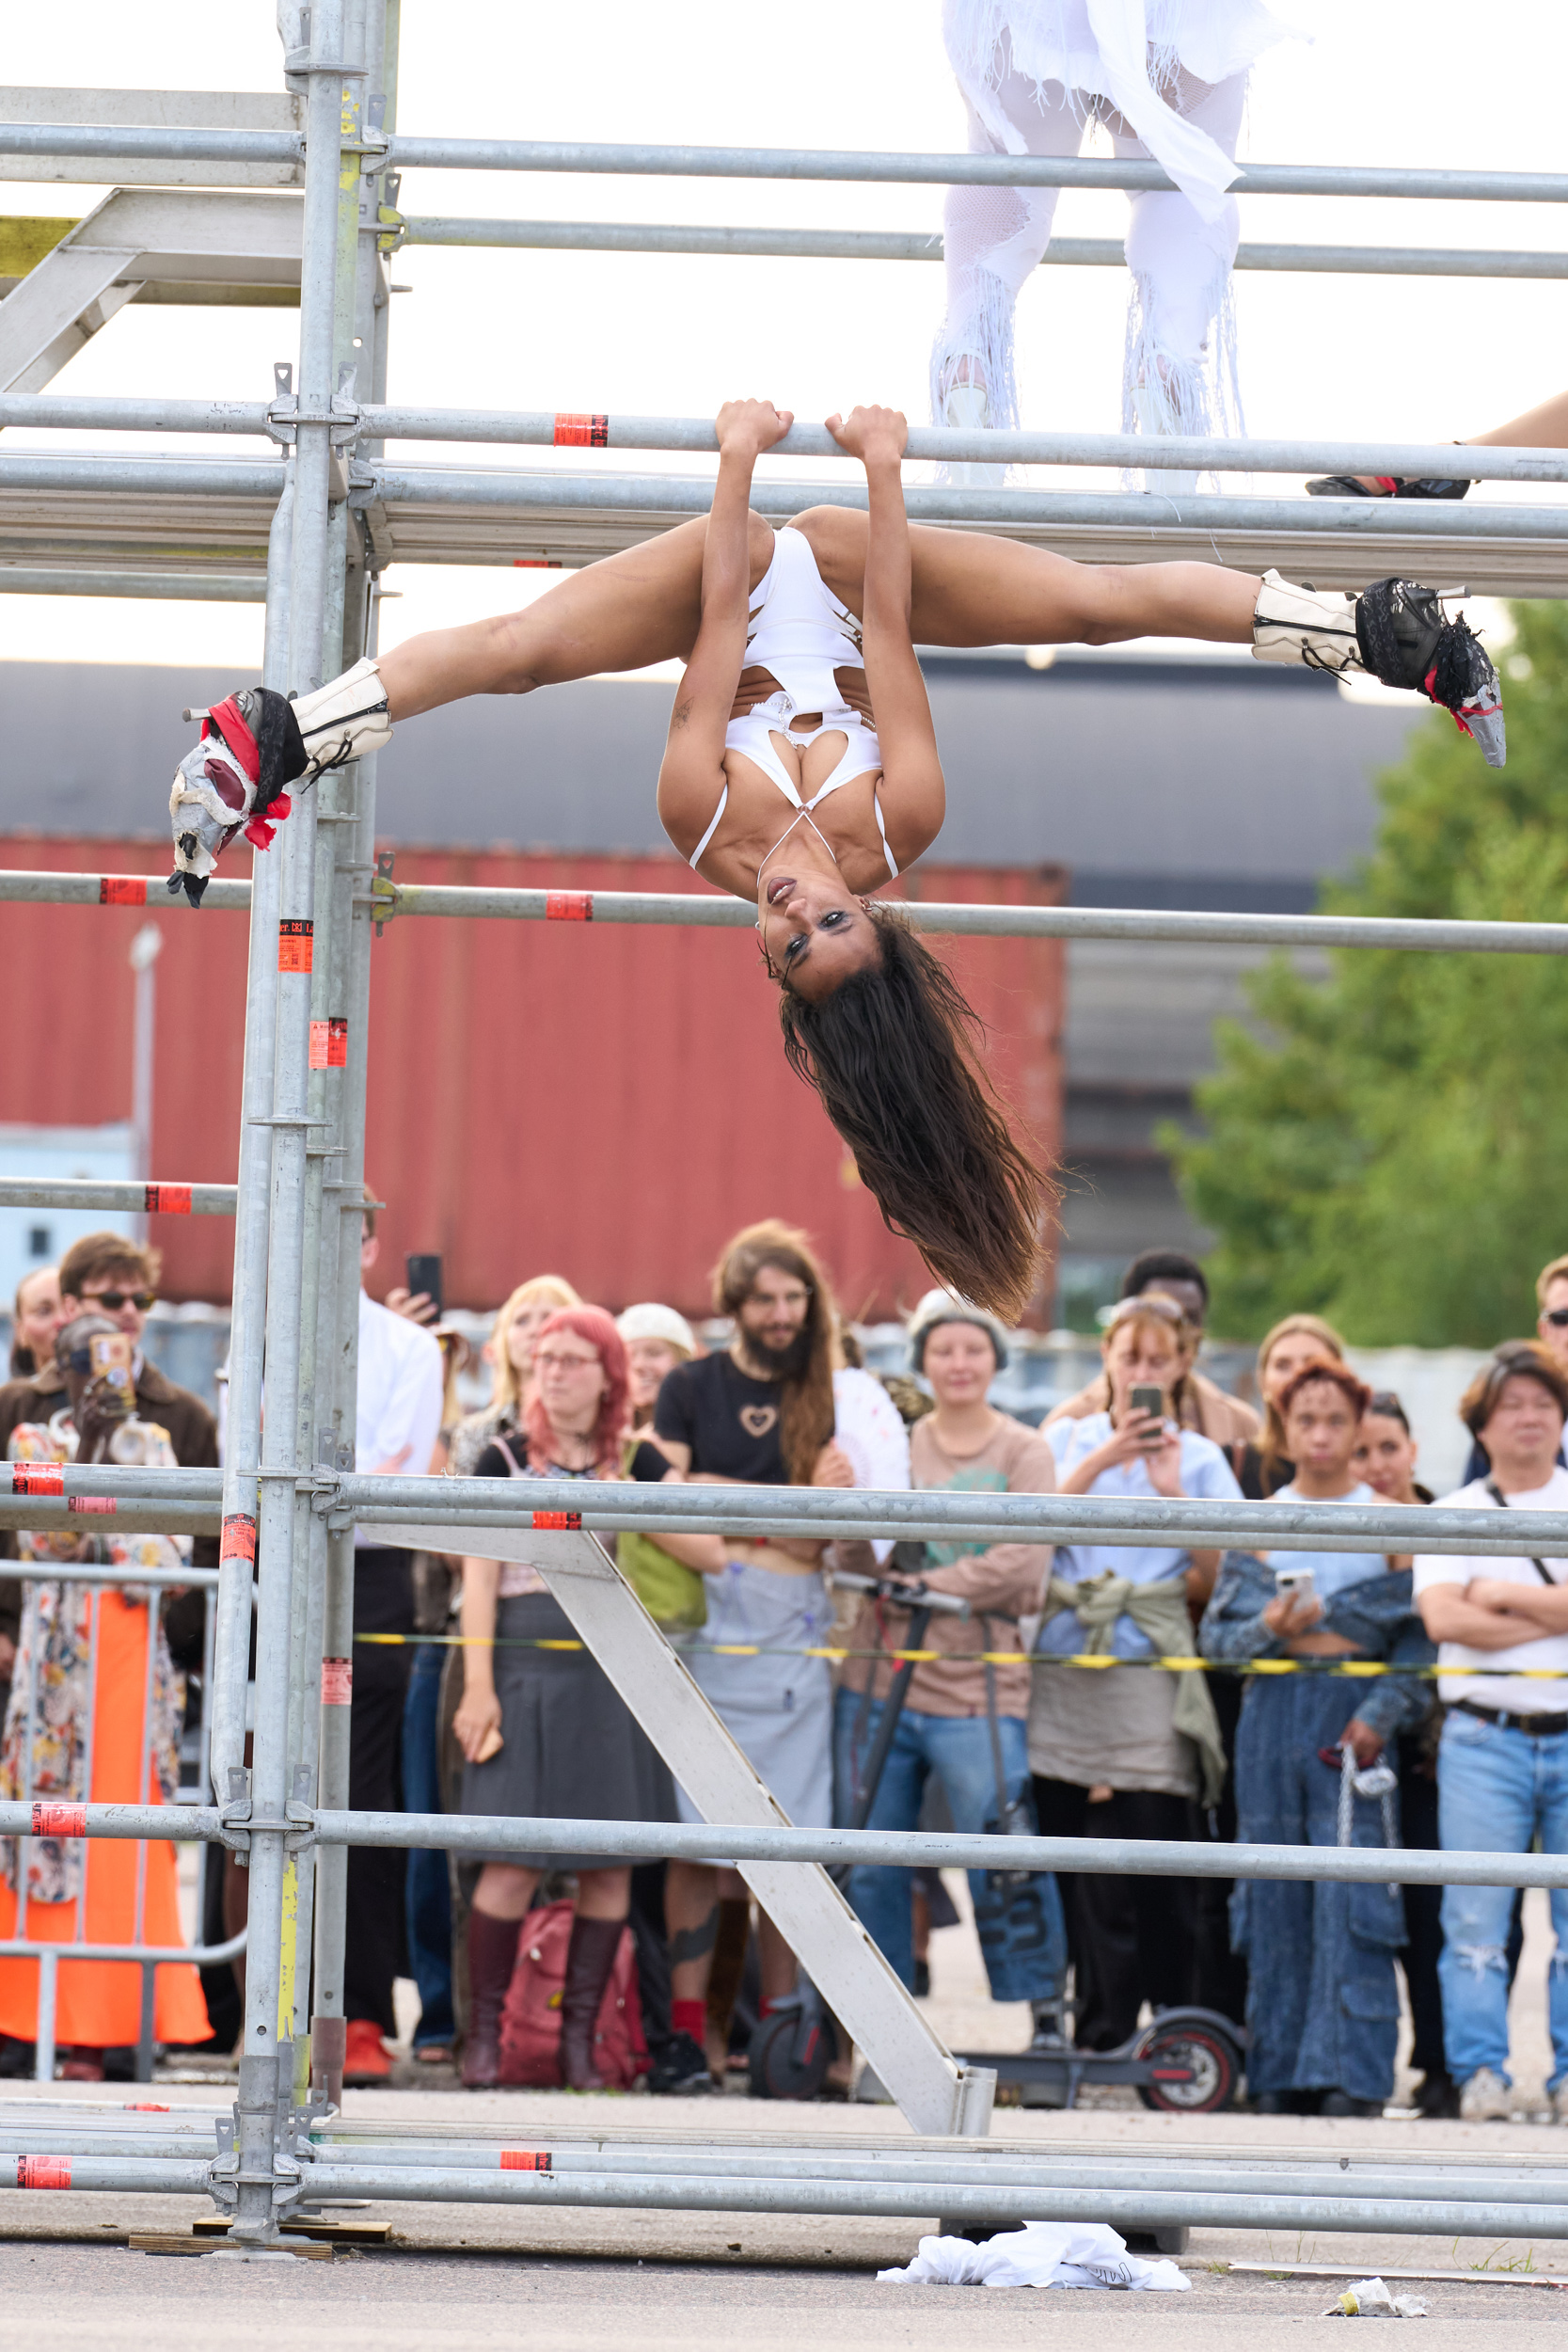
(273, 1954)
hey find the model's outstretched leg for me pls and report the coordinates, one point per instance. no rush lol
(1543, 427)
(973, 590)
(639, 607)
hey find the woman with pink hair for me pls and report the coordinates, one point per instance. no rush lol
(544, 1733)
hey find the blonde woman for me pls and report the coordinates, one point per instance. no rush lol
(1293, 1344)
(509, 1352)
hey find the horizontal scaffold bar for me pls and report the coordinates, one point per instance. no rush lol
(838, 1513)
(775, 162)
(138, 1198)
(465, 1832)
(940, 917)
(19, 579)
(913, 245)
(547, 428)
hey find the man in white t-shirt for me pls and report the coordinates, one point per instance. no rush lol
(1503, 1768)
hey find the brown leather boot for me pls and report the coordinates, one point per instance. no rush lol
(590, 1958)
(492, 1952)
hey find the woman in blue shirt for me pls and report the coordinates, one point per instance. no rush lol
(1139, 1745)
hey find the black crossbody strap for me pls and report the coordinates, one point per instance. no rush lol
(1501, 1501)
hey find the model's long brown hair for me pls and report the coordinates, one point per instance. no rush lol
(805, 1403)
(893, 1054)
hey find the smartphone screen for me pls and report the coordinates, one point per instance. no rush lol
(424, 1274)
(111, 1354)
(1145, 1398)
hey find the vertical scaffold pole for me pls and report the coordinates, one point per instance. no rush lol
(342, 1223)
(265, 2072)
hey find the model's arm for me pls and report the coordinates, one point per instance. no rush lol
(913, 791)
(693, 773)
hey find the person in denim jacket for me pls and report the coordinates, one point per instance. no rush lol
(1322, 2003)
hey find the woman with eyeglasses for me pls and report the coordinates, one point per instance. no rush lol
(545, 1733)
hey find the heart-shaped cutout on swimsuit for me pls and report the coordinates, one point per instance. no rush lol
(757, 1420)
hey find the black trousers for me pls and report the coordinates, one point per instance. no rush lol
(376, 1949)
(1129, 1940)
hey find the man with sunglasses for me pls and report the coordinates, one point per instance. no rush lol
(1551, 1326)
(107, 1274)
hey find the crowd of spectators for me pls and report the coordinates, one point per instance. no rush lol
(477, 1697)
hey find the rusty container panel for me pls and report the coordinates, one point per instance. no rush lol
(606, 1102)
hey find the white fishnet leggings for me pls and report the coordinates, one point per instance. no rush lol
(1181, 264)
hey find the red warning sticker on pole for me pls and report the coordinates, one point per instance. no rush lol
(329, 1045)
(568, 906)
(557, 1519)
(59, 1821)
(123, 890)
(43, 2171)
(295, 936)
(168, 1200)
(525, 2160)
(337, 1682)
(239, 1536)
(537, 564)
(574, 430)
(101, 1506)
(38, 1478)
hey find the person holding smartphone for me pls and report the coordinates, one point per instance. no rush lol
(1323, 2002)
(1129, 1753)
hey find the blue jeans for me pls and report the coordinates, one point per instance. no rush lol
(1323, 2002)
(958, 1749)
(428, 1894)
(1497, 1791)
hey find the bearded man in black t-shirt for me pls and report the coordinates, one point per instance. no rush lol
(760, 1414)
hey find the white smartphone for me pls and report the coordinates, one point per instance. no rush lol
(1295, 1583)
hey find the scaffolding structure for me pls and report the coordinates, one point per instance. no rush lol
(310, 529)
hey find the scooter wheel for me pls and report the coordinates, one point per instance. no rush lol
(778, 2070)
(1212, 2058)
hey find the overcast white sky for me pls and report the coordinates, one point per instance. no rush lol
(1445, 84)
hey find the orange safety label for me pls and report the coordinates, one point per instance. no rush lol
(43, 2171)
(59, 1821)
(295, 936)
(575, 431)
(38, 1478)
(168, 1200)
(105, 1506)
(537, 564)
(123, 890)
(329, 1045)
(568, 906)
(337, 1682)
(239, 1536)
(525, 2160)
(557, 1519)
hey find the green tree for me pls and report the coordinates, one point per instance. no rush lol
(1389, 1146)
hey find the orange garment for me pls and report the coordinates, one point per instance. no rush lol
(99, 2001)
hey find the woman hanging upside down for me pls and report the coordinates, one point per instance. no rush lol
(801, 769)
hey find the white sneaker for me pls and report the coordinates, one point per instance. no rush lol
(968, 410)
(1487, 2098)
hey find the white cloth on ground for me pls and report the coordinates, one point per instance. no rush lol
(1040, 2254)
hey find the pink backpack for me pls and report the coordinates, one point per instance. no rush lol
(530, 2020)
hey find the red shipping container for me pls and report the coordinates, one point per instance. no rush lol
(608, 1102)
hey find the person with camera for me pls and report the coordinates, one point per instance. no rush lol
(1131, 1752)
(92, 1717)
(1323, 2002)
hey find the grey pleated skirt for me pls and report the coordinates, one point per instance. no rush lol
(572, 1749)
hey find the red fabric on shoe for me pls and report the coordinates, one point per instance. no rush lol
(690, 2017)
(365, 2058)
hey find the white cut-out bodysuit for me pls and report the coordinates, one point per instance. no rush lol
(799, 633)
